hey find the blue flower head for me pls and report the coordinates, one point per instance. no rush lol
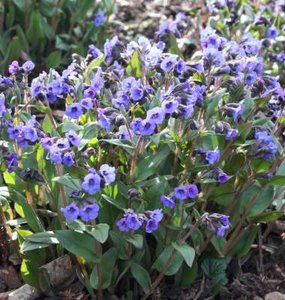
(91, 183)
(99, 18)
(71, 212)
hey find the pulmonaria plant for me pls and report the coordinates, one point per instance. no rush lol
(154, 154)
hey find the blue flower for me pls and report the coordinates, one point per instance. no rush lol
(11, 161)
(136, 125)
(212, 156)
(14, 67)
(272, 32)
(123, 225)
(30, 133)
(167, 201)
(87, 103)
(99, 19)
(137, 92)
(28, 66)
(250, 78)
(2, 106)
(147, 127)
(71, 212)
(91, 183)
(151, 225)
(181, 193)
(108, 173)
(168, 64)
(156, 115)
(133, 221)
(67, 159)
(169, 106)
(74, 111)
(121, 99)
(89, 212)
(95, 52)
(192, 191)
(231, 134)
(73, 138)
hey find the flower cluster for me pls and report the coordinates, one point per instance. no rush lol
(60, 150)
(86, 211)
(181, 193)
(264, 147)
(217, 223)
(132, 221)
(94, 181)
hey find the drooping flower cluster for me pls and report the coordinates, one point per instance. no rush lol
(86, 211)
(180, 193)
(61, 150)
(132, 221)
(95, 181)
(217, 223)
(264, 147)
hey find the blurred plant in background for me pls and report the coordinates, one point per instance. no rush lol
(49, 31)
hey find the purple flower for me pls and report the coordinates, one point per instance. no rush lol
(136, 125)
(167, 201)
(55, 155)
(180, 66)
(30, 133)
(2, 106)
(62, 145)
(156, 214)
(250, 78)
(231, 134)
(108, 173)
(87, 103)
(104, 121)
(133, 221)
(156, 115)
(91, 183)
(28, 66)
(272, 32)
(265, 146)
(128, 83)
(192, 191)
(137, 92)
(67, 159)
(220, 176)
(213, 57)
(151, 225)
(74, 111)
(95, 52)
(169, 106)
(71, 212)
(168, 64)
(280, 57)
(36, 88)
(147, 127)
(181, 193)
(14, 67)
(73, 138)
(212, 156)
(99, 19)
(89, 212)
(123, 225)
(11, 161)
(121, 99)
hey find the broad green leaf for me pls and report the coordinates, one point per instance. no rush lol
(78, 244)
(136, 240)
(189, 274)
(54, 59)
(268, 216)
(120, 243)
(163, 258)
(107, 264)
(100, 232)
(173, 47)
(134, 68)
(141, 276)
(68, 181)
(186, 251)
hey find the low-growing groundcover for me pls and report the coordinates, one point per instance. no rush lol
(161, 167)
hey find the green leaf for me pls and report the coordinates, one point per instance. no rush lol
(54, 59)
(215, 269)
(107, 264)
(120, 243)
(134, 68)
(47, 124)
(136, 240)
(95, 63)
(186, 251)
(163, 258)
(68, 181)
(173, 47)
(28, 213)
(141, 276)
(189, 274)
(100, 232)
(77, 243)
(35, 32)
(277, 180)
(149, 165)
(268, 216)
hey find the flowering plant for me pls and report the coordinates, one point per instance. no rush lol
(159, 166)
